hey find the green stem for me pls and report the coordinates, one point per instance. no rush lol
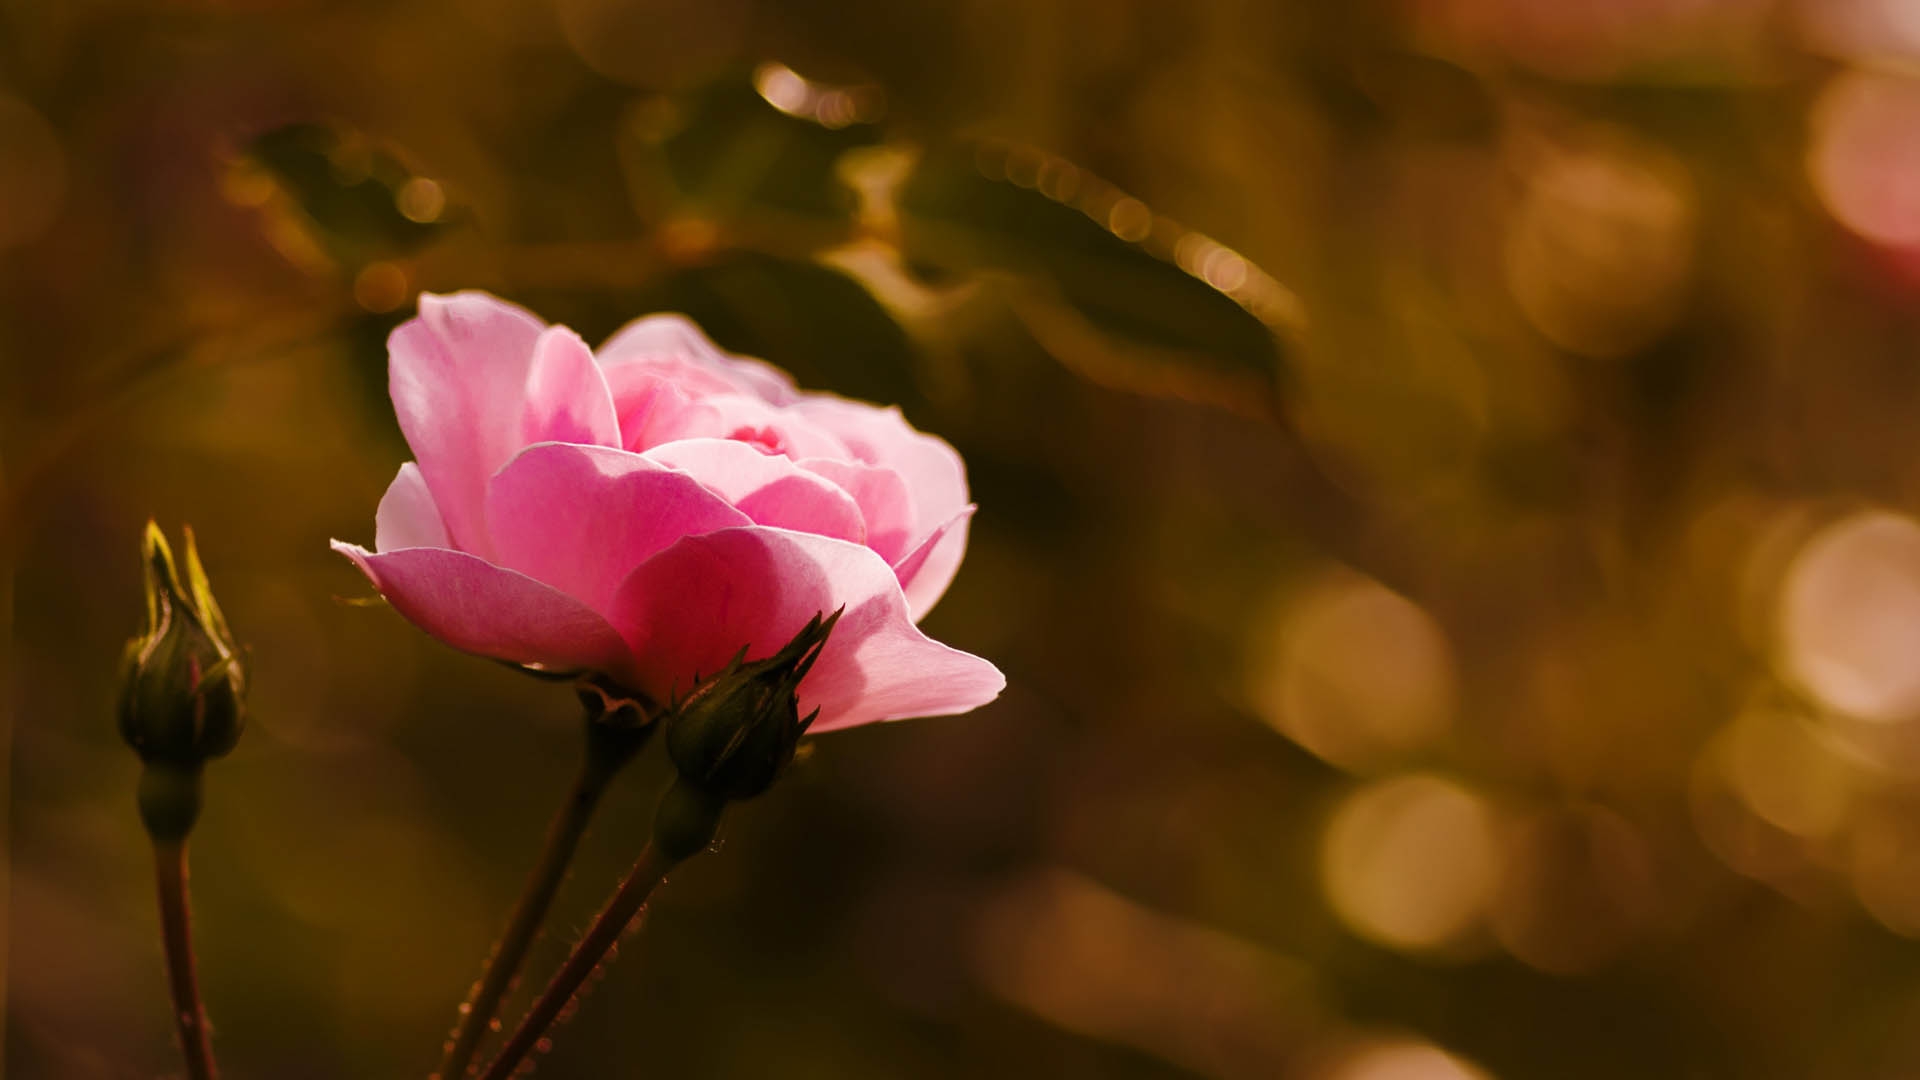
(683, 826)
(176, 935)
(607, 751)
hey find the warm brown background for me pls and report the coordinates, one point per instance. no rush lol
(1537, 682)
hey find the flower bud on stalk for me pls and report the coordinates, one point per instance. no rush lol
(736, 732)
(181, 693)
(729, 739)
(181, 690)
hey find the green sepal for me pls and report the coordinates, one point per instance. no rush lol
(736, 731)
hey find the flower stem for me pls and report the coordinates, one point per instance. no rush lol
(603, 760)
(684, 824)
(176, 935)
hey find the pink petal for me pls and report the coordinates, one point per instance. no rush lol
(875, 436)
(407, 517)
(767, 488)
(581, 518)
(657, 405)
(927, 570)
(480, 608)
(646, 402)
(882, 497)
(662, 339)
(460, 374)
(773, 428)
(687, 610)
(566, 397)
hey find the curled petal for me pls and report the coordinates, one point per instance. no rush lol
(931, 468)
(481, 608)
(580, 518)
(657, 406)
(673, 341)
(458, 373)
(646, 402)
(768, 488)
(471, 376)
(882, 496)
(927, 570)
(407, 517)
(756, 587)
(567, 399)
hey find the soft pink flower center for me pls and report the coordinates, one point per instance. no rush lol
(764, 439)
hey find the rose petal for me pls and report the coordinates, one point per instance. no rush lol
(480, 608)
(931, 468)
(645, 400)
(767, 488)
(407, 517)
(460, 375)
(580, 518)
(567, 399)
(757, 587)
(661, 339)
(657, 406)
(927, 570)
(882, 496)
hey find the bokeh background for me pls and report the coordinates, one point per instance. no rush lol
(1448, 474)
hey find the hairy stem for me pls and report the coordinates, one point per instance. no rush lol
(563, 837)
(683, 826)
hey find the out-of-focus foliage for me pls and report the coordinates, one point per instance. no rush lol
(770, 142)
(1450, 513)
(361, 203)
(1087, 282)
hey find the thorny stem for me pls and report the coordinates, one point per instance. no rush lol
(683, 826)
(176, 935)
(133, 378)
(648, 872)
(603, 760)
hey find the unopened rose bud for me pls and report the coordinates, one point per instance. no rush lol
(182, 687)
(736, 731)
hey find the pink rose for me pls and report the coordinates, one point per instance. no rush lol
(648, 511)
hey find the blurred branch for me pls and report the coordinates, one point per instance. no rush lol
(609, 266)
(144, 373)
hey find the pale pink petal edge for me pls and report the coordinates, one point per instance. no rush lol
(477, 607)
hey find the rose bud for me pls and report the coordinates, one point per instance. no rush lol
(737, 731)
(182, 687)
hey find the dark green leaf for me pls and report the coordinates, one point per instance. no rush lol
(765, 143)
(1125, 295)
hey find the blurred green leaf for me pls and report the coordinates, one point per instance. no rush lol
(1126, 297)
(814, 321)
(356, 199)
(768, 143)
